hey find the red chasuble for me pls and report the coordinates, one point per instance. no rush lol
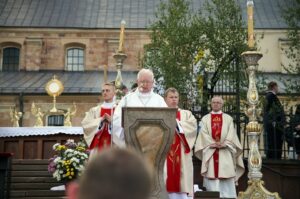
(216, 129)
(102, 138)
(174, 160)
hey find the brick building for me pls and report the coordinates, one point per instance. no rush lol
(76, 40)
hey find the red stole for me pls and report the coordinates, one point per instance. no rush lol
(174, 160)
(102, 138)
(216, 129)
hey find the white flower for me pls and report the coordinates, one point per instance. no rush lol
(56, 160)
(55, 146)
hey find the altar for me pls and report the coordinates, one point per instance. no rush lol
(35, 142)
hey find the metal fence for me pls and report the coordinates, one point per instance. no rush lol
(233, 89)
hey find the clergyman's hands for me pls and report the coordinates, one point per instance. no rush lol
(107, 117)
(218, 145)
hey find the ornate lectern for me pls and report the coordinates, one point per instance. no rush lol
(151, 131)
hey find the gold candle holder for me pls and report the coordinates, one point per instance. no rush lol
(120, 56)
(255, 187)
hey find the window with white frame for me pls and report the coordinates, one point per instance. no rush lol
(10, 59)
(75, 59)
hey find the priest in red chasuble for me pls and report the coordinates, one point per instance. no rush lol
(179, 162)
(96, 123)
(220, 150)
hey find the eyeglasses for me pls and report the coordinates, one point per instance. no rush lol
(146, 82)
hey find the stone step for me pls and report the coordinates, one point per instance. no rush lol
(29, 161)
(33, 186)
(31, 174)
(29, 167)
(37, 193)
(30, 179)
(207, 195)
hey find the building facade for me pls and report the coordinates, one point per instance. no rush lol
(76, 40)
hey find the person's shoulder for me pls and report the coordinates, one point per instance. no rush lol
(227, 116)
(205, 117)
(95, 108)
(158, 96)
(185, 111)
(270, 94)
(130, 94)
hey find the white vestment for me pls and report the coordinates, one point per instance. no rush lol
(231, 166)
(92, 121)
(188, 124)
(134, 99)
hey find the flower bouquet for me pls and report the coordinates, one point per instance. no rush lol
(68, 163)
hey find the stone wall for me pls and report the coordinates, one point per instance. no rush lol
(45, 49)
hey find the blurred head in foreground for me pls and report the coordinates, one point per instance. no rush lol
(114, 174)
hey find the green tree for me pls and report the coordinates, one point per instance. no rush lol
(225, 40)
(291, 14)
(174, 41)
(186, 45)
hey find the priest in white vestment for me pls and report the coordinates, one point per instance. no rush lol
(180, 170)
(97, 121)
(143, 96)
(219, 148)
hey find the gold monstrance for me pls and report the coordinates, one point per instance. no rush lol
(54, 88)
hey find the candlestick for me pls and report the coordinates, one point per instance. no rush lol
(121, 41)
(250, 5)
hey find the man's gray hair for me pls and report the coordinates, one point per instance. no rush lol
(145, 71)
(218, 97)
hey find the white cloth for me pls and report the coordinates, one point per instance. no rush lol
(134, 99)
(58, 188)
(34, 131)
(227, 187)
(178, 196)
(92, 121)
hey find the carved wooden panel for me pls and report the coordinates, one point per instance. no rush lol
(151, 131)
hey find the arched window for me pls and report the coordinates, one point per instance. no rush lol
(11, 59)
(75, 59)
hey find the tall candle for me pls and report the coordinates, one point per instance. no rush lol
(121, 41)
(250, 23)
(105, 73)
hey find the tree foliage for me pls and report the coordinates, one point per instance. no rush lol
(174, 41)
(291, 15)
(186, 44)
